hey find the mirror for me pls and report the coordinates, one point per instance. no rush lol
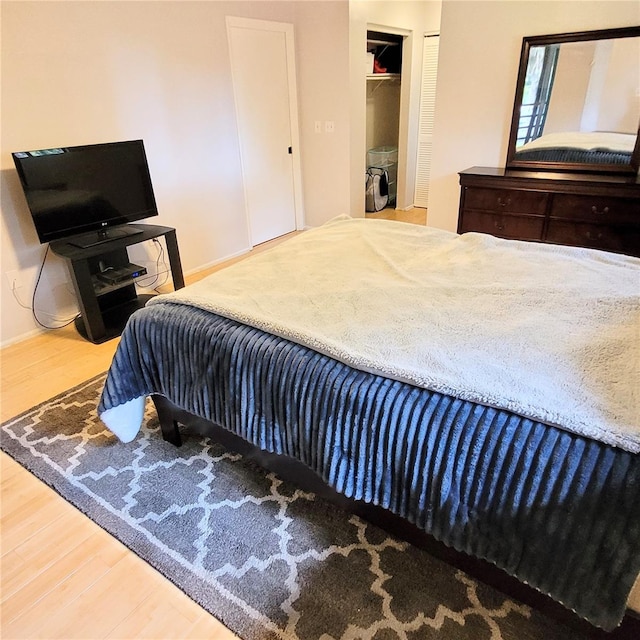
(577, 103)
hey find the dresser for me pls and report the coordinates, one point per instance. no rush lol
(584, 210)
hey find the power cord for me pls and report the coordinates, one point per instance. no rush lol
(154, 284)
(65, 322)
(164, 265)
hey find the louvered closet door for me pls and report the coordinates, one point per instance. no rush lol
(425, 128)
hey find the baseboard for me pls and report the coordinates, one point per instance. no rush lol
(215, 263)
(21, 338)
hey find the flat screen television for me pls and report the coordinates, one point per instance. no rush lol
(87, 194)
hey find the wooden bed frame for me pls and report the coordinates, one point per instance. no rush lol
(292, 470)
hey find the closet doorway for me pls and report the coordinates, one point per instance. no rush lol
(384, 90)
(263, 71)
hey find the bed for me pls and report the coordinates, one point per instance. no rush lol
(484, 390)
(592, 147)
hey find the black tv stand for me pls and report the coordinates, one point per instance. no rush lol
(86, 240)
(105, 307)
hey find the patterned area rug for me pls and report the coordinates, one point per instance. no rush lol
(268, 560)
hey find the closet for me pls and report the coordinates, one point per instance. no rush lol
(384, 67)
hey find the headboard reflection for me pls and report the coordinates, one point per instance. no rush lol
(577, 103)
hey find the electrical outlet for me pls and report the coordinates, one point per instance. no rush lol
(329, 126)
(318, 126)
(14, 279)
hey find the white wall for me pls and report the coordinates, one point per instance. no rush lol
(622, 79)
(412, 19)
(479, 55)
(570, 85)
(86, 72)
(322, 43)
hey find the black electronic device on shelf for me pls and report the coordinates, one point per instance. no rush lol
(113, 275)
(87, 194)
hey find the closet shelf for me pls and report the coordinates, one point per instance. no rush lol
(383, 76)
(379, 42)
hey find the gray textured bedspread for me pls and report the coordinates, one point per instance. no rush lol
(557, 510)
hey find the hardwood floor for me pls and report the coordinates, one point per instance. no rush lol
(415, 215)
(62, 576)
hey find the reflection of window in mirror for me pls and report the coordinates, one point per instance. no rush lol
(537, 92)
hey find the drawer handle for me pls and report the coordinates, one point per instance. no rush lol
(504, 203)
(594, 209)
(498, 225)
(595, 236)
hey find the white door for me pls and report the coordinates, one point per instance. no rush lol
(264, 90)
(425, 127)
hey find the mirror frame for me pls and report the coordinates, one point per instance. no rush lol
(537, 165)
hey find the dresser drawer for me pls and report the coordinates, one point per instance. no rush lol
(505, 200)
(600, 209)
(595, 236)
(600, 212)
(503, 226)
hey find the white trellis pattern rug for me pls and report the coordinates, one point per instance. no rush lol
(265, 558)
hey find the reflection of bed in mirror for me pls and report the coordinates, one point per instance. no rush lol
(580, 146)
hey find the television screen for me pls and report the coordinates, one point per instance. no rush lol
(91, 188)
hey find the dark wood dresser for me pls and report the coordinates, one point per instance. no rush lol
(584, 210)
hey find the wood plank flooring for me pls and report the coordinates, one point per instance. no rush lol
(414, 215)
(62, 576)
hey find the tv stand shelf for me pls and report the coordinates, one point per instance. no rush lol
(102, 288)
(105, 309)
